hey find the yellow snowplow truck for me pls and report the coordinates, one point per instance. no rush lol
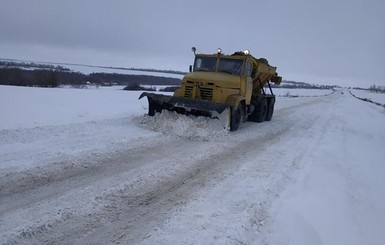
(227, 87)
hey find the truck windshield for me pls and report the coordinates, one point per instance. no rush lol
(232, 66)
(205, 64)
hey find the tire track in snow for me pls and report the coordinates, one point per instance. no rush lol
(268, 172)
(134, 213)
(135, 206)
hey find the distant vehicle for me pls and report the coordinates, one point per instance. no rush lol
(222, 84)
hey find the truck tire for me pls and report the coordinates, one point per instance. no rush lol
(270, 109)
(236, 118)
(259, 114)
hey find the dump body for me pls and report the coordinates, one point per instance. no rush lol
(218, 82)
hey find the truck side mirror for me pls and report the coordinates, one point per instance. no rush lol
(190, 68)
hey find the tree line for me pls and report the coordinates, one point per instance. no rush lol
(301, 85)
(9, 63)
(377, 89)
(55, 78)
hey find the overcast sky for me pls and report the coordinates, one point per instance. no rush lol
(324, 41)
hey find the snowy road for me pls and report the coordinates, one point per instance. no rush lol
(177, 180)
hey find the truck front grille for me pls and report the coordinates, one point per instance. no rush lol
(187, 91)
(205, 92)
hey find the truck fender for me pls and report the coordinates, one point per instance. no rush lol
(234, 100)
(178, 92)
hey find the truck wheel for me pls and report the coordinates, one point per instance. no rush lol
(270, 109)
(259, 114)
(236, 118)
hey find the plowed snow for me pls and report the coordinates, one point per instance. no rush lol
(188, 127)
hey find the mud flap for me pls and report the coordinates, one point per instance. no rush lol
(197, 107)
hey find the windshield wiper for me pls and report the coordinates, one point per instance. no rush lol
(201, 69)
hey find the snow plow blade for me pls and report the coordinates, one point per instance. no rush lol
(197, 107)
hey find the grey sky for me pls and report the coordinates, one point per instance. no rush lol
(323, 41)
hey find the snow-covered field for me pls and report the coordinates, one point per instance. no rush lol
(294, 92)
(364, 94)
(92, 69)
(87, 166)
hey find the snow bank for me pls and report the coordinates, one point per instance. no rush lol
(339, 196)
(364, 94)
(39, 126)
